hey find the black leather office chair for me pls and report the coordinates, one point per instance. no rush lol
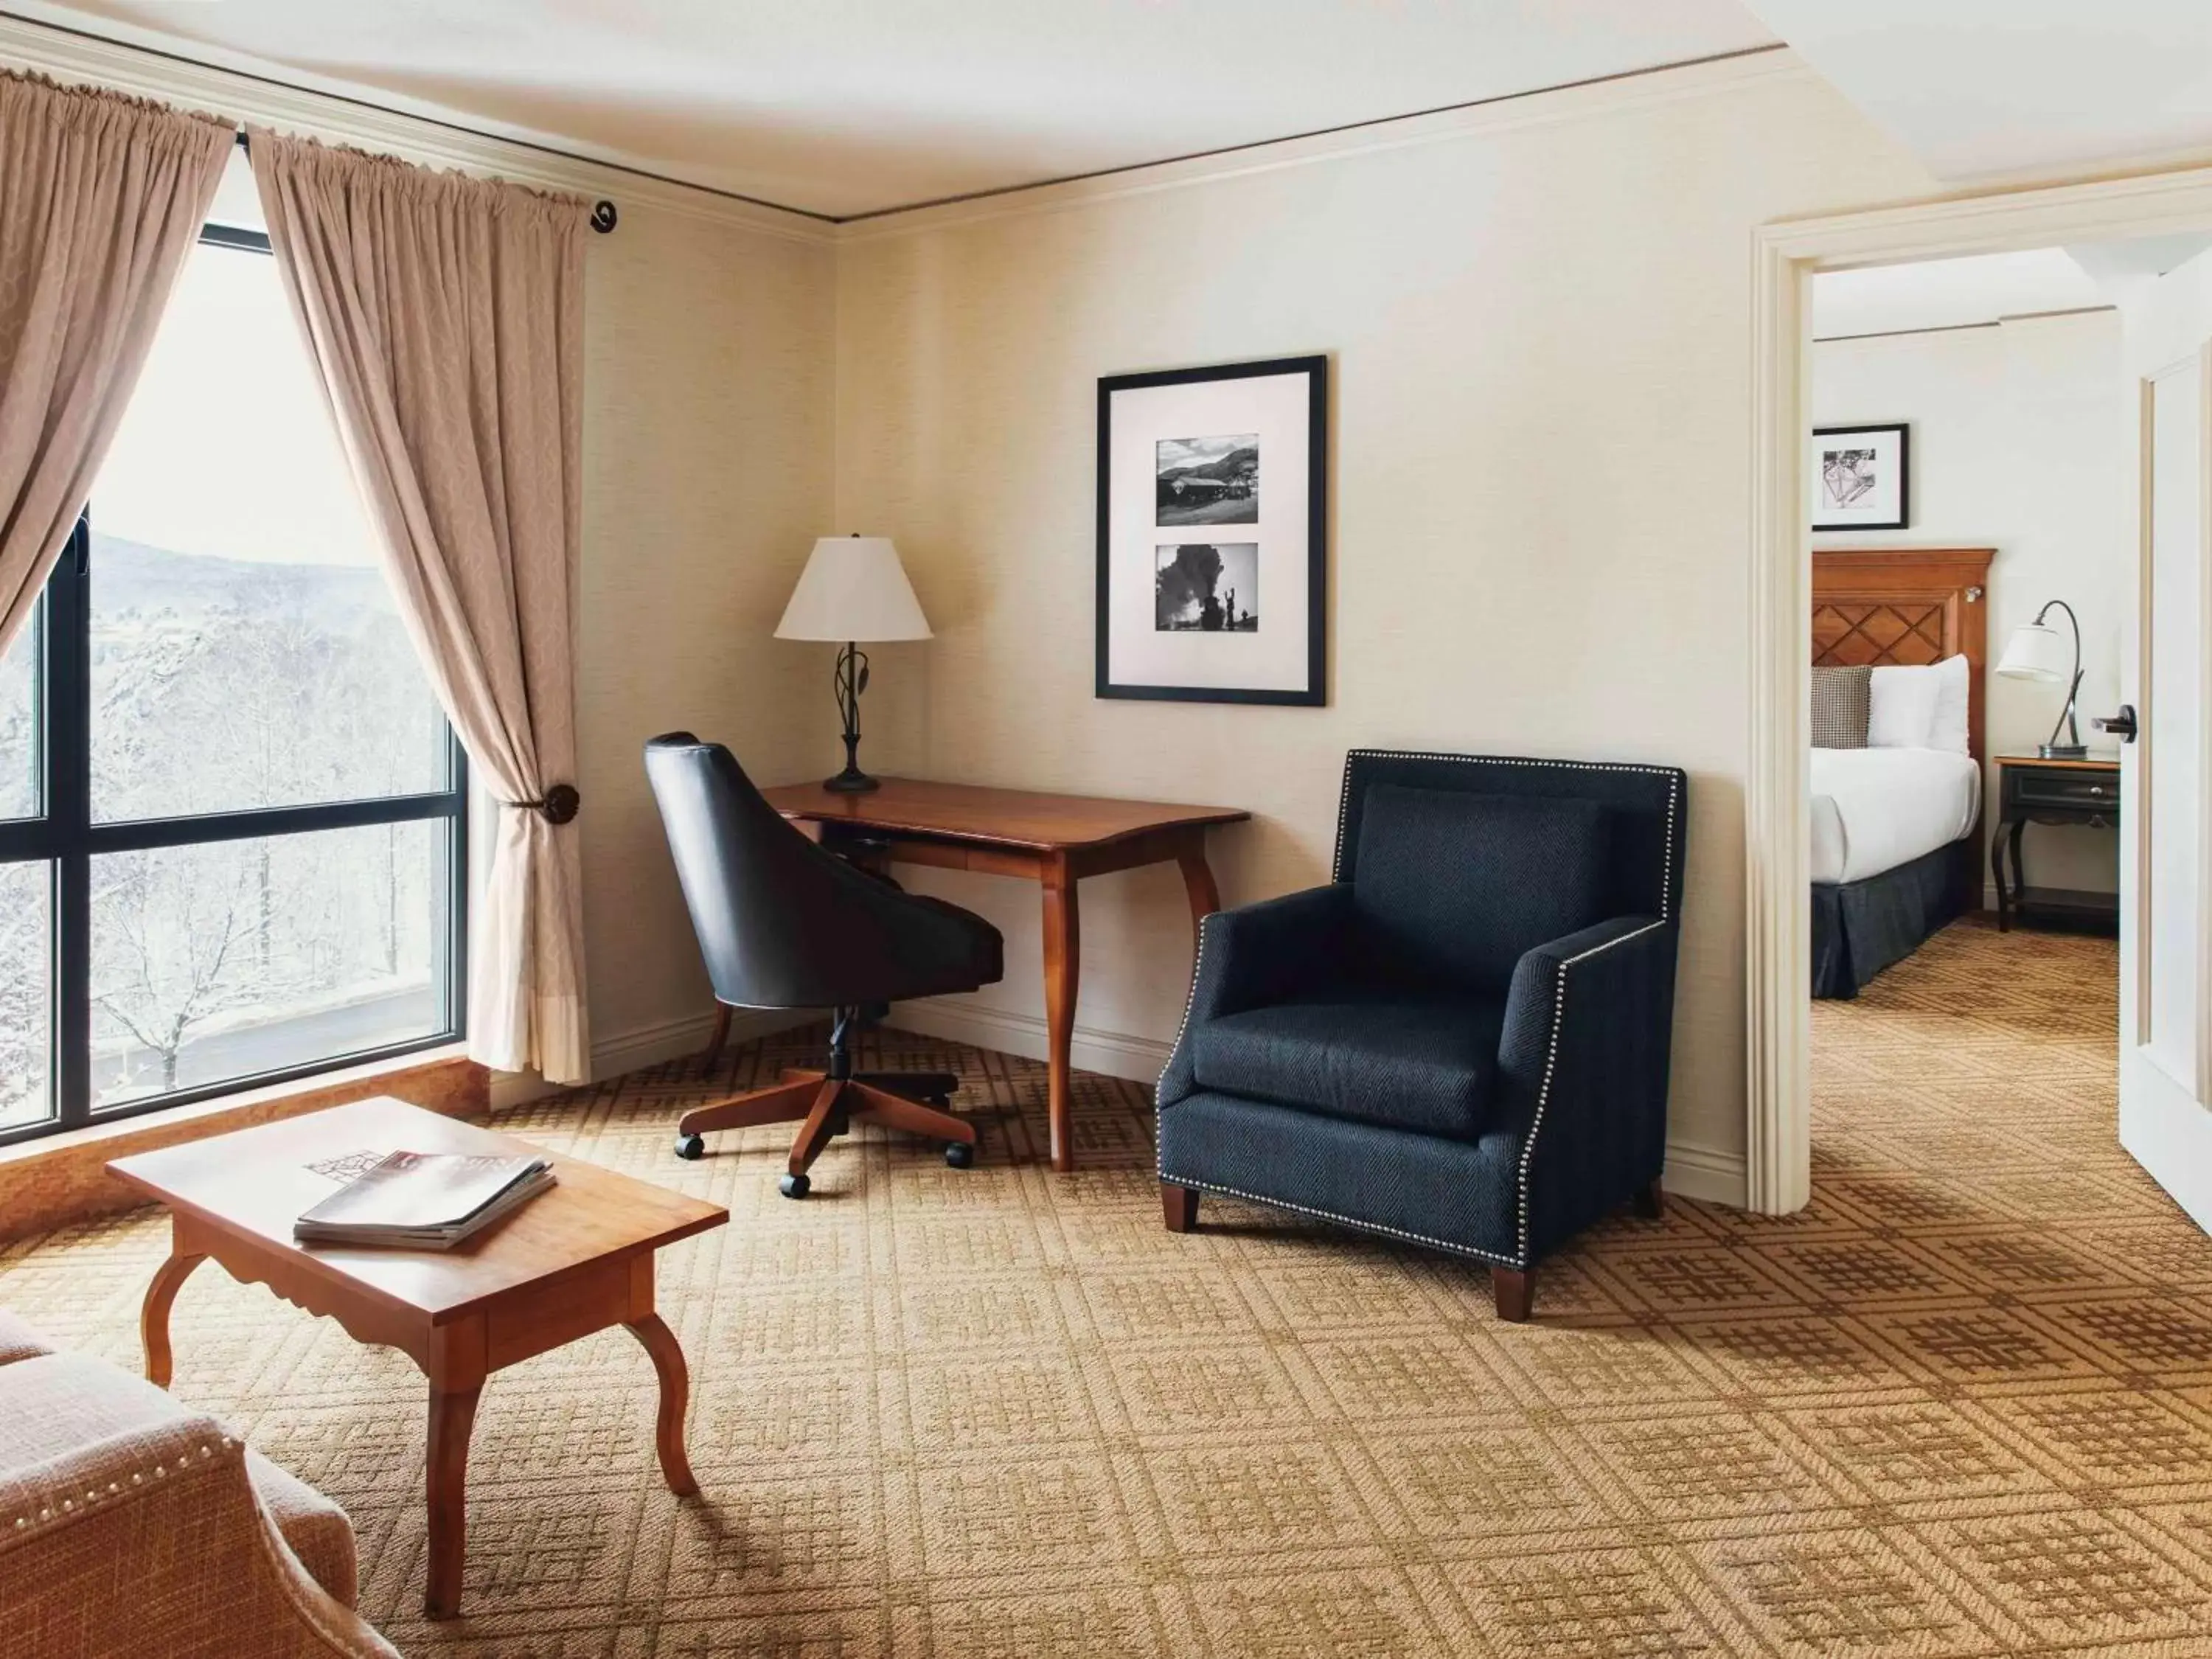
(784, 923)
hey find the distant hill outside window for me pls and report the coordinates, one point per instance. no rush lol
(231, 811)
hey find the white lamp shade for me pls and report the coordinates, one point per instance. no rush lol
(853, 588)
(2037, 651)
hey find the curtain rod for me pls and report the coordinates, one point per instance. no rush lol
(604, 216)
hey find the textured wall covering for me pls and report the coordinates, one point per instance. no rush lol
(1540, 331)
(707, 445)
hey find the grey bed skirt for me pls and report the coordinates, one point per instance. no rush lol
(1860, 927)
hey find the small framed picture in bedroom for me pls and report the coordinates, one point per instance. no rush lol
(1213, 538)
(1861, 478)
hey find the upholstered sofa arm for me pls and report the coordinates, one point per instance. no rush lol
(1254, 956)
(1582, 1063)
(147, 1539)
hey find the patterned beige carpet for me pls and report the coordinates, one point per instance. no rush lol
(1962, 1405)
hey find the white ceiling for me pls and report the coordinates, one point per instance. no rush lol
(1979, 89)
(1949, 292)
(847, 106)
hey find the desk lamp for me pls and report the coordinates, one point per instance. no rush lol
(853, 591)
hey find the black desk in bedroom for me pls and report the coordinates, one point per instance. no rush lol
(2034, 790)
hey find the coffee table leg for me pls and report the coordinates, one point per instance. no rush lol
(154, 1314)
(452, 1415)
(675, 1397)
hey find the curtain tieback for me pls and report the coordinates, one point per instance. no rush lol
(559, 804)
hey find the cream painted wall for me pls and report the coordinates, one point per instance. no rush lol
(2023, 441)
(707, 451)
(1539, 322)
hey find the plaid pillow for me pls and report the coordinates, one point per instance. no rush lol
(1841, 699)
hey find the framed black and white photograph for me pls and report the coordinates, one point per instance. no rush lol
(1861, 478)
(1212, 569)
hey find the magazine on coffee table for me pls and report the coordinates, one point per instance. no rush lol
(420, 1201)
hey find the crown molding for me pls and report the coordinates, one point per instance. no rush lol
(1515, 112)
(442, 140)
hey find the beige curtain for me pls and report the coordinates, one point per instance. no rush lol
(101, 197)
(445, 316)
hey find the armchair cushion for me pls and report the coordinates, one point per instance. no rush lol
(1427, 1067)
(1453, 887)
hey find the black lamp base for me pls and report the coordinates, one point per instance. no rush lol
(851, 781)
(2062, 750)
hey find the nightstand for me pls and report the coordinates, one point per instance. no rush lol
(2034, 790)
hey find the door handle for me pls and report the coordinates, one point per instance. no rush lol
(2121, 725)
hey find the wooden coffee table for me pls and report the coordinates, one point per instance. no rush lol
(572, 1260)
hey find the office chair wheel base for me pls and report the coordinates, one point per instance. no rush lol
(688, 1147)
(794, 1186)
(959, 1154)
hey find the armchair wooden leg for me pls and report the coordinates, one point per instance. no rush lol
(1650, 1204)
(1179, 1206)
(1515, 1289)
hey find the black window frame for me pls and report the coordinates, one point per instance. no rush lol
(64, 836)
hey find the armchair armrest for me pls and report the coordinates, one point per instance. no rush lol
(1252, 956)
(1583, 1065)
(98, 1570)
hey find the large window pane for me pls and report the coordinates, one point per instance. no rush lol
(19, 725)
(234, 958)
(26, 993)
(246, 651)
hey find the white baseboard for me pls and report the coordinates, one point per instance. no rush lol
(649, 1045)
(1694, 1171)
(1706, 1173)
(1114, 1054)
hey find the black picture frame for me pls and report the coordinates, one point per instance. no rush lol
(1315, 692)
(1902, 431)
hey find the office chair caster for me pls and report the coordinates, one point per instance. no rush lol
(688, 1147)
(794, 1186)
(959, 1154)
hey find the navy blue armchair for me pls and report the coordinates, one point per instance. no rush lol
(1463, 1041)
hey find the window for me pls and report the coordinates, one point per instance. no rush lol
(232, 817)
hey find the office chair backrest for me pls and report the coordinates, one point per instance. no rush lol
(783, 923)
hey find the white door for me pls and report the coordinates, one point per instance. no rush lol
(2166, 1060)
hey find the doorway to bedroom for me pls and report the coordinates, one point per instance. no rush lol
(1975, 546)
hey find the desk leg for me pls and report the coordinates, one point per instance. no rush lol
(1063, 954)
(1198, 882)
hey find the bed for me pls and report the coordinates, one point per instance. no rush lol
(1895, 833)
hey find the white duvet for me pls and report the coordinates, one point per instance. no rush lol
(1875, 808)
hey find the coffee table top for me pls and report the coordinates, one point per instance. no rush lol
(253, 1183)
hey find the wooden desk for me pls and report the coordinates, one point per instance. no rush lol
(573, 1259)
(2032, 789)
(1053, 840)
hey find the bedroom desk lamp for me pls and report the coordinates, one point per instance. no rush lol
(2037, 651)
(852, 592)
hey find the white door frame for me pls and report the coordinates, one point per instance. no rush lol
(1778, 1171)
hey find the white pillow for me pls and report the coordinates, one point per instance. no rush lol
(1948, 731)
(1901, 708)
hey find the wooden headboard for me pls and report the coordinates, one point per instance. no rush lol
(1911, 606)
